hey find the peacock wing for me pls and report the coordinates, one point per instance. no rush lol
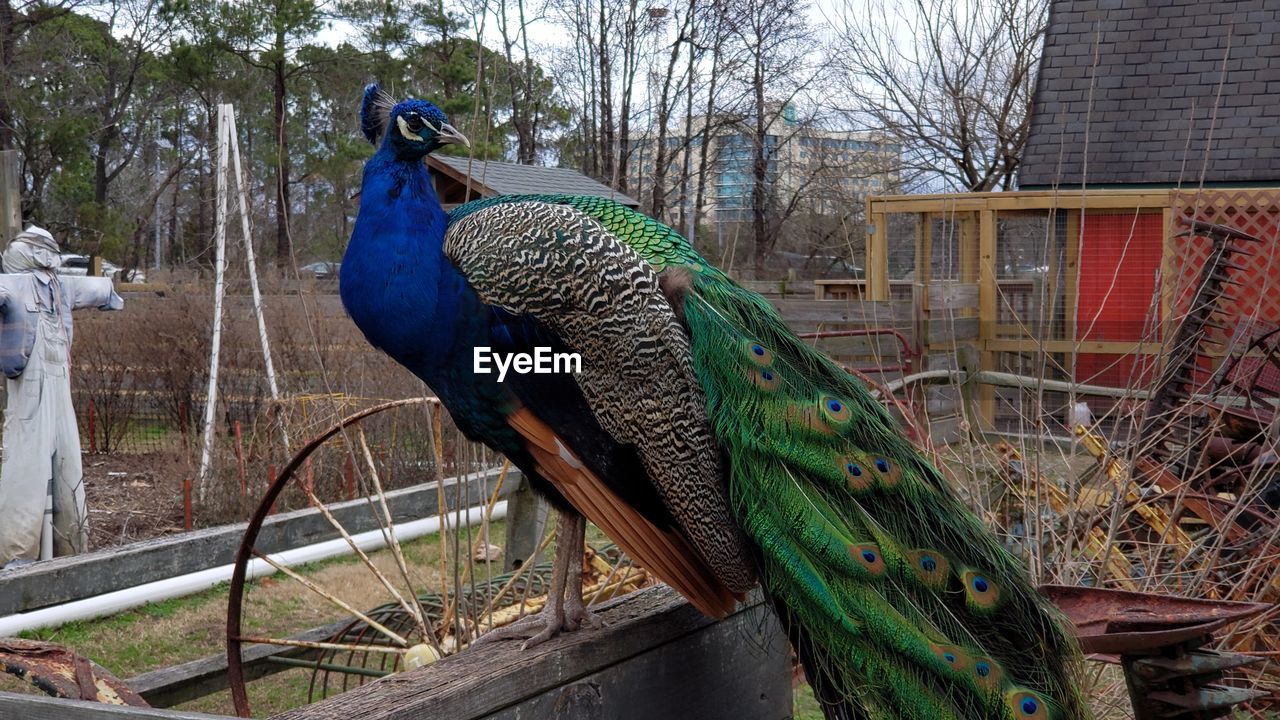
(564, 269)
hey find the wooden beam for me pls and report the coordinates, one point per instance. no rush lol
(988, 312)
(809, 315)
(654, 657)
(176, 684)
(80, 576)
(468, 183)
(526, 524)
(1035, 200)
(1093, 347)
(969, 232)
(41, 707)
(10, 196)
(878, 259)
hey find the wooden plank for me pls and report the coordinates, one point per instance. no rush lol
(655, 656)
(169, 686)
(806, 314)
(945, 331)
(969, 238)
(878, 257)
(526, 524)
(886, 347)
(79, 576)
(14, 706)
(951, 295)
(1068, 346)
(787, 288)
(1024, 200)
(10, 196)
(988, 290)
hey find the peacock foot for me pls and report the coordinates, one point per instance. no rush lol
(536, 629)
(576, 614)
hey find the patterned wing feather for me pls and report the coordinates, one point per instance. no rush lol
(566, 270)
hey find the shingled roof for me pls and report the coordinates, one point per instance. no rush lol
(487, 179)
(1136, 92)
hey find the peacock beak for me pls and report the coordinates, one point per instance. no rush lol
(449, 135)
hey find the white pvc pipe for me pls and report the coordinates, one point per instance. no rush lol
(114, 602)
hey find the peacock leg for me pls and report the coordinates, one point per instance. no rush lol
(576, 615)
(552, 619)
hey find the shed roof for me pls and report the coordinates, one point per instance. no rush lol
(1155, 91)
(453, 174)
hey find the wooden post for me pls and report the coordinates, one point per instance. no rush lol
(526, 523)
(878, 258)
(969, 233)
(95, 266)
(10, 196)
(987, 313)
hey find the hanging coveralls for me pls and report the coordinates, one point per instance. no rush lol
(41, 440)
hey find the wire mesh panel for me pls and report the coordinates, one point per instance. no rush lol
(1030, 256)
(903, 232)
(1118, 297)
(946, 244)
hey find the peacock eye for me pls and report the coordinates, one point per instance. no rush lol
(414, 122)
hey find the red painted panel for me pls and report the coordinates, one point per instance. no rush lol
(1117, 298)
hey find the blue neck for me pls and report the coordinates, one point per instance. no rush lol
(396, 282)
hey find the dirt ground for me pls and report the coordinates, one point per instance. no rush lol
(132, 497)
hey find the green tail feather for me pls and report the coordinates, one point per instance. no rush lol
(935, 618)
(904, 604)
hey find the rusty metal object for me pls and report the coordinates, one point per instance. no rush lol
(61, 673)
(1167, 423)
(235, 607)
(1160, 642)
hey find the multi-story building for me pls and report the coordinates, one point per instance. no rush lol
(809, 169)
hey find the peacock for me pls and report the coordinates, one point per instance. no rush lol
(717, 448)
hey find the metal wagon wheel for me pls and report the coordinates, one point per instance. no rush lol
(417, 625)
(409, 633)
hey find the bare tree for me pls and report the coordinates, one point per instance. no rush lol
(949, 80)
(771, 38)
(670, 90)
(525, 103)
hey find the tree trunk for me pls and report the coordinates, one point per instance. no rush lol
(630, 63)
(282, 159)
(6, 62)
(759, 170)
(661, 158)
(106, 139)
(606, 102)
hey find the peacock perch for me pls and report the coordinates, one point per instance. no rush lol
(700, 434)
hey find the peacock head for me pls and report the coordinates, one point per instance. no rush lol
(411, 128)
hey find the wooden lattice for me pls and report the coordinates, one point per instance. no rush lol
(1257, 297)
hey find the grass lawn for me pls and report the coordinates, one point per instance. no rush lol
(183, 629)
